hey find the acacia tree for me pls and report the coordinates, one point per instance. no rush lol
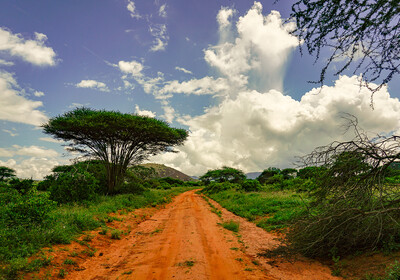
(362, 33)
(6, 173)
(225, 174)
(116, 139)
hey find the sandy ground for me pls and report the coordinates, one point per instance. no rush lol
(184, 240)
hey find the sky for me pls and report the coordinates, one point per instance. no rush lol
(228, 71)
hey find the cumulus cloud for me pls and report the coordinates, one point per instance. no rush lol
(159, 32)
(33, 51)
(206, 85)
(256, 125)
(131, 67)
(224, 16)
(183, 70)
(32, 151)
(35, 168)
(93, 85)
(256, 130)
(131, 7)
(145, 113)
(16, 108)
(258, 51)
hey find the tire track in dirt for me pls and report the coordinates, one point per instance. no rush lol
(182, 241)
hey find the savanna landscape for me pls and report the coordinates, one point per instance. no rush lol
(255, 176)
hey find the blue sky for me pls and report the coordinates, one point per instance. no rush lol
(228, 71)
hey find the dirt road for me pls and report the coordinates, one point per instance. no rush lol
(185, 241)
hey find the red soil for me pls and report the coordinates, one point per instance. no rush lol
(181, 241)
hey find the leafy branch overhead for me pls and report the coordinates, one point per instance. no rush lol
(115, 138)
(363, 34)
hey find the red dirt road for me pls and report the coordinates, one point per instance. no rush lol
(184, 241)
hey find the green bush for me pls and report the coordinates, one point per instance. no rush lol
(73, 186)
(23, 208)
(31, 208)
(214, 187)
(131, 187)
(251, 186)
(22, 186)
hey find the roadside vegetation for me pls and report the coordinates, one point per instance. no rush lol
(69, 201)
(345, 201)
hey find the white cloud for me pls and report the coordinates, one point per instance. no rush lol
(51, 140)
(159, 32)
(12, 133)
(33, 51)
(132, 9)
(35, 168)
(6, 63)
(38, 93)
(206, 85)
(131, 67)
(34, 151)
(274, 128)
(169, 111)
(183, 70)
(6, 153)
(93, 85)
(16, 108)
(255, 125)
(256, 54)
(144, 112)
(224, 16)
(162, 12)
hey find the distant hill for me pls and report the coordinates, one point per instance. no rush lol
(253, 175)
(165, 171)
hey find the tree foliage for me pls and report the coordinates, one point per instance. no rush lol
(6, 173)
(355, 208)
(363, 34)
(268, 173)
(225, 174)
(115, 138)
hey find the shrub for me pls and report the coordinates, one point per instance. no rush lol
(251, 186)
(131, 187)
(73, 186)
(27, 209)
(218, 187)
(231, 225)
(22, 186)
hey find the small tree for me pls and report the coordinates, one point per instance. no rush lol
(115, 138)
(225, 174)
(6, 173)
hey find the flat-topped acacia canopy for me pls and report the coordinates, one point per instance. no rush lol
(116, 138)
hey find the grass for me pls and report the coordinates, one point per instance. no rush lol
(116, 234)
(214, 209)
(231, 225)
(70, 262)
(65, 224)
(269, 209)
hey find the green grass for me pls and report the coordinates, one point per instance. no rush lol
(231, 225)
(270, 209)
(65, 223)
(116, 234)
